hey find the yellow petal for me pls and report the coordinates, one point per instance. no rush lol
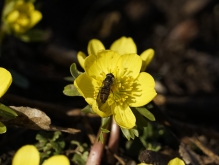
(13, 16)
(19, 4)
(124, 45)
(129, 64)
(23, 21)
(94, 46)
(176, 161)
(103, 111)
(5, 81)
(123, 116)
(144, 90)
(24, 7)
(35, 17)
(146, 57)
(104, 62)
(18, 29)
(85, 85)
(26, 155)
(57, 160)
(81, 58)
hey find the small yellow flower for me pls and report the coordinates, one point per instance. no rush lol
(130, 88)
(20, 16)
(123, 45)
(5, 81)
(29, 155)
(176, 161)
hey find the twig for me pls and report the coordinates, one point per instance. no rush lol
(120, 160)
(205, 149)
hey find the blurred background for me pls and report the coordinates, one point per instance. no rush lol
(183, 33)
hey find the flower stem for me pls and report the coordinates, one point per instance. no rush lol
(113, 142)
(97, 149)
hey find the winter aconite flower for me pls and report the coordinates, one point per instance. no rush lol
(175, 161)
(123, 45)
(19, 16)
(5, 81)
(129, 87)
(29, 155)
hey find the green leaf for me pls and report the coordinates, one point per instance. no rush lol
(105, 121)
(69, 79)
(56, 135)
(104, 130)
(130, 133)
(146, 113)
(100, 138)
(71, 90)
(104, 124)
(74, 71)
(33, 35)
(141, 122)
(7, 112)
(3, 128)
(80, 159)
(87, 109)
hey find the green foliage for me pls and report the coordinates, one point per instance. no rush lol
(130, 133)
(141, 121)
(70, 90)
(74, 71)
(7, 112)
(87, 109)
(69, 78)
(33, 35)
(104, 125)
(148, 139)
(81, 153)
(49, 144)
(146, 113)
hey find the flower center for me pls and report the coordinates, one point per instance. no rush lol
(124, 88)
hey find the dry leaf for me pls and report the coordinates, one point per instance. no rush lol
(34, 119)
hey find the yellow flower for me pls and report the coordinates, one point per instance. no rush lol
(130, 88)
(176, 161)
(123, 45)
(5, 81)
(20, 16)
(29, 155)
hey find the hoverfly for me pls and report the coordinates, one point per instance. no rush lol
(106, 87)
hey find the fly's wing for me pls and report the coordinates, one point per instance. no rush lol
(99, 94)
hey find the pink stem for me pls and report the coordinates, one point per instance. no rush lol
(96, 152)
(113, 142)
